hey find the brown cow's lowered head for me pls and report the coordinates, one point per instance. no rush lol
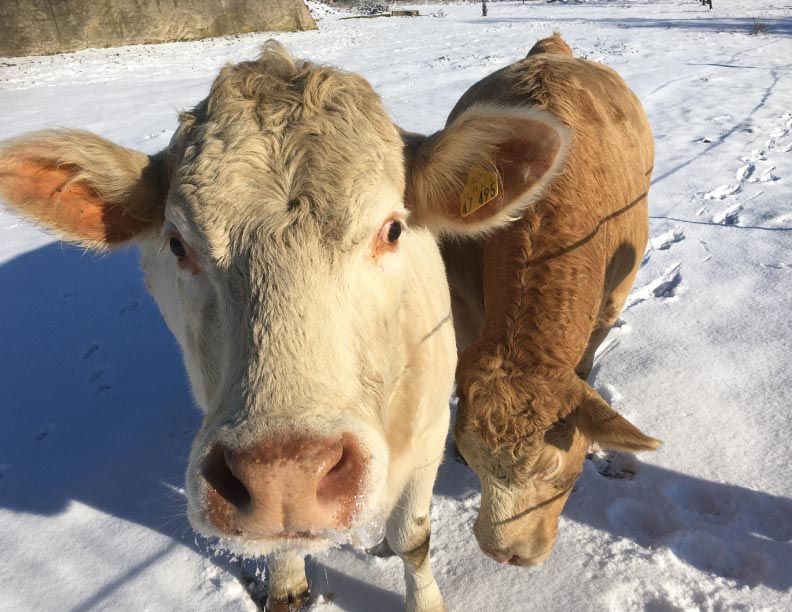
(526, 434)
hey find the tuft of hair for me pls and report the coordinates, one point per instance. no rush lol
(554, 44)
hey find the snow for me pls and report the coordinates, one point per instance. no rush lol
(96, 412)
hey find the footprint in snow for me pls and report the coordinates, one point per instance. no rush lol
(769, 176)
(772, 519)
(755, 155)
(99, 389)
(615, 465)
(43, 432)
(720, 193)
(730, 216)
(713, 504)
(745, 172)
(92, 348)
(718, 556)
(665, 286)
(666, 239)
(128, 308)
(644, 522)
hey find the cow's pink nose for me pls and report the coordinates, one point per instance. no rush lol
(297, 488)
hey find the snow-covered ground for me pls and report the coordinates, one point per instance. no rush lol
(97, 417)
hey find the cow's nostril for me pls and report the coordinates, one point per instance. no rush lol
(344, 471)
(220, 478)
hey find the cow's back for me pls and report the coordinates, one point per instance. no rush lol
(589, 230)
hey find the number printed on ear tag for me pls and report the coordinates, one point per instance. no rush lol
(481, 188)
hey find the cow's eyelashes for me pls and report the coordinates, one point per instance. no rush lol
(177, 247)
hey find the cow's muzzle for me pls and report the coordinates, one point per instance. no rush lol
(284, 489)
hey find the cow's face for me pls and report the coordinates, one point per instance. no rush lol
(281, 268)
(526, 434)
(277, 244)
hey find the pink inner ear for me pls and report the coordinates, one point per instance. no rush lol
(44, 192)
(522, 162)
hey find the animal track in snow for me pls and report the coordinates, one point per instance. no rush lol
(768, 176)
(128, 308)
(96, 374)
(666, 239)
(730, 216)
(745, 172)
(717, 528)
(645, 523)
(718, 556)
(92, 348)
(664, 287)
(615, 465)
(43, 432)
(699, 501)
(772, 520)
(101, 389)
(719, 193)
(755, 155)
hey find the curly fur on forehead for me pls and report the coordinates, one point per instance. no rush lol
(508, 406)
(302, 141)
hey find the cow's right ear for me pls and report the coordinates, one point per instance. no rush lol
(602, 424)
(85, 188)
(484, 168)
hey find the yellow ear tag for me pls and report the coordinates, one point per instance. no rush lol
(481, 188)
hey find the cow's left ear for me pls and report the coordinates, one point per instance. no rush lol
(484, 168)
(602, 424)
(85, 188)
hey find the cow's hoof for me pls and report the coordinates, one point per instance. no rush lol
(294, 603)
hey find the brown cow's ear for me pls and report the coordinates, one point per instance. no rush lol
(484, 168)
(83, 187)
(602, 424)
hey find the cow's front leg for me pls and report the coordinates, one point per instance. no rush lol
(408, 530)
(287, 590)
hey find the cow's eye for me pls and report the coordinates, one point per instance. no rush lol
(185, 256)
(177, 247)
(387, 239)
(550, 470)
(394, 230)
(390, 232)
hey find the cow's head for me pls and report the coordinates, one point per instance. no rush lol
(526, 435)
(305, 296)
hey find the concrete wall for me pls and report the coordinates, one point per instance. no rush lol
(37, 27)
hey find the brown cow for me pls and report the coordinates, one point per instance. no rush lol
(532, 302)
